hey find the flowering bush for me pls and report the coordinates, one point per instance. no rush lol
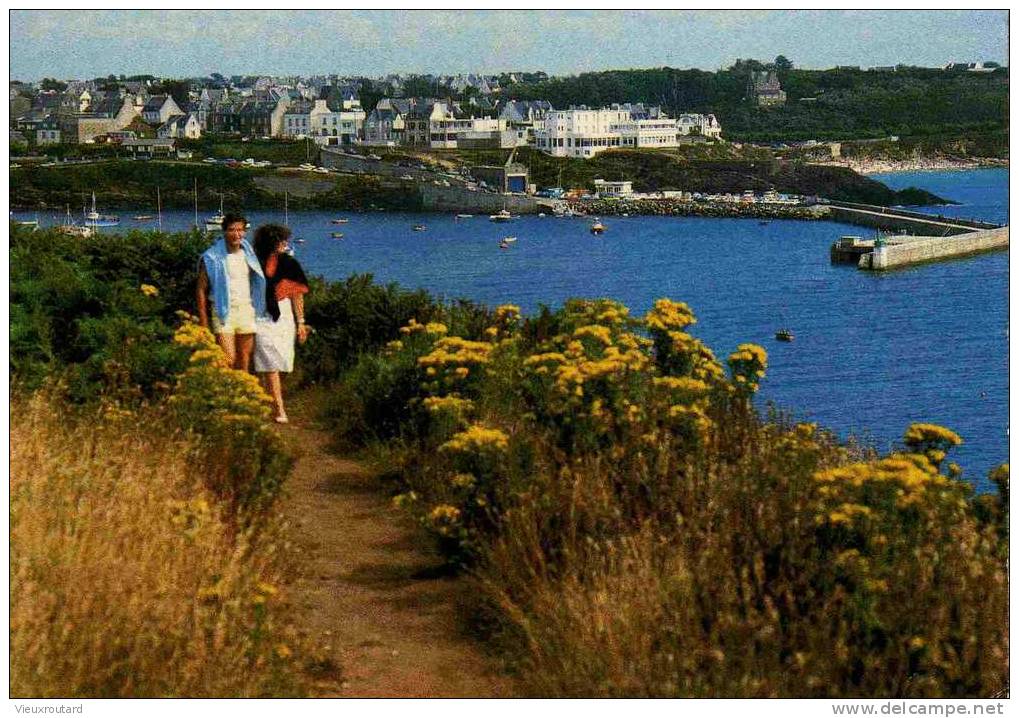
(228, 409)
(747, 365)
(611, 482)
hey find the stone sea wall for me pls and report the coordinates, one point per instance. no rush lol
(683, 208)
(916, 250)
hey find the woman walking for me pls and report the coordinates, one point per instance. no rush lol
(286, 286)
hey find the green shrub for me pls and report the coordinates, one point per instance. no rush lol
(645, 533)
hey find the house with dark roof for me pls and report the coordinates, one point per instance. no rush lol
(249, 117)
(136, 87)
(160, 108)
(212, 95)
(181, 126)
(148, 148)
(48, 131)
(111, 114)
(764, 89)
(386, 125)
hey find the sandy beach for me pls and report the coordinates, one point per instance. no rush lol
(873, 166)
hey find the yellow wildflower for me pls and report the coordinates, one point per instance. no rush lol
(477, 438)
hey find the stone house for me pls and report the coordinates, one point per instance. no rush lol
(181, 126)
(764, 89)
(160, 108)
(112, 114)
(48, 131)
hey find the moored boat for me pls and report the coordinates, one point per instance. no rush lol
(215, 222)
(72, 229)
(503, 215)
(784, 335)
(597, 227)
(464, 216)
(95, 219)
(420, 228)
(336, 235)
(143, 217)
(340, 220)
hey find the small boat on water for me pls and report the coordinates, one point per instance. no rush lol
(597, 228)
(420, 228)
(784, 335)
(340, 220)
(95, 219)
(301, 241)
(502, 215)
(215, 222)
(464, 216)
(72, 229)
(541, 214)
(509, 239)
(764, 222)
(336, 235)
(143, 217)
(504, 244)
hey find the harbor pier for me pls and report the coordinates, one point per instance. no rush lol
(918, 237)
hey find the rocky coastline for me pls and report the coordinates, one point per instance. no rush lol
(673, 207)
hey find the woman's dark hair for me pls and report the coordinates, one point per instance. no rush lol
(267, 237)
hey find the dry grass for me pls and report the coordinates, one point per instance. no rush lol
(126, 580)
(732, 591)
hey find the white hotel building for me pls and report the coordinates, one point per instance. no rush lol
(584, 133)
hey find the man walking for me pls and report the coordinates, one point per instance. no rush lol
(231, 278)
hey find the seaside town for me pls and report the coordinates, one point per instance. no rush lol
(371, 365)
(148, 117)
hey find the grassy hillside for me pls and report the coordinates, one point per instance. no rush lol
(822, 104)
(132, 185)
(652, 171)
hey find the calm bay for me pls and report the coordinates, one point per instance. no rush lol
(873, 352)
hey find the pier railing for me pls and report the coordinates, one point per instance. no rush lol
(898, 212)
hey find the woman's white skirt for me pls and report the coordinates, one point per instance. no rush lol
(274, 341)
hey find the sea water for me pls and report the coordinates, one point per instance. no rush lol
(873, 352)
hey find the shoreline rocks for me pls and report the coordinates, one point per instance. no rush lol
(685, 208)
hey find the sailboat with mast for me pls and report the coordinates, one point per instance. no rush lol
(69, 227)
(215, 222)
(95, 219)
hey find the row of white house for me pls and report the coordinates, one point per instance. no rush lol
(414, 122)
(582, 132)
(437, 124)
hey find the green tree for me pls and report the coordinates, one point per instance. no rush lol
(48, 83)
(783, 64)
(178, 90)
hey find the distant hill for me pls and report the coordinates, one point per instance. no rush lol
(822, 104)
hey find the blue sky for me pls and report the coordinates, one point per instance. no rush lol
(68, 44)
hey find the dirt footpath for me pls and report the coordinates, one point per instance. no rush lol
(367, 585)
